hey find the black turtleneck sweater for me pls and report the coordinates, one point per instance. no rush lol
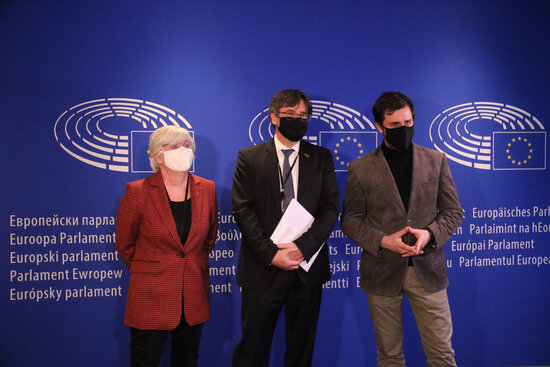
(401, 166)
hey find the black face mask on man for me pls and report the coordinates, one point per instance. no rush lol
(400, 138)
(293, 129)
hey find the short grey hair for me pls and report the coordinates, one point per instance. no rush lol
(163, 136)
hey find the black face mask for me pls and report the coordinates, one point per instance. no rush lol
(293, 129)
(400, 138)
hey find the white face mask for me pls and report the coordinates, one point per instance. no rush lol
(179, 160)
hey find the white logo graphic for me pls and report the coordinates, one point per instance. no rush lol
(490, 136)
(113, 133)
(344, 131)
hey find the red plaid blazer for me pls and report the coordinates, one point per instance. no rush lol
(162, 269)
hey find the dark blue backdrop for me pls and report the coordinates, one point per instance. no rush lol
(472, 69)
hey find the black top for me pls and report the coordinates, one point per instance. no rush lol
(181, 210)
(400, 163)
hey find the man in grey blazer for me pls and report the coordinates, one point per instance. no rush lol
(400, 207)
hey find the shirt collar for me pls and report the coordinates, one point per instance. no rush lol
(279, 146)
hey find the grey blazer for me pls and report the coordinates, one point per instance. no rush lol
(373, 209)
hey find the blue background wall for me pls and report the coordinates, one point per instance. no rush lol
(217, 64)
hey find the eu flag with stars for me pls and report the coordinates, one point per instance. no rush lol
(519, 150)
(347, 146)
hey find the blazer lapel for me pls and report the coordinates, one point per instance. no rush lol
(272, 172)
(160, 201)
(418, 176)
(388, 182)
(304, 172)
(197, 204)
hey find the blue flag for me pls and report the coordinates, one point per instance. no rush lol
(519, 150)
(347, 146)
(139, 154)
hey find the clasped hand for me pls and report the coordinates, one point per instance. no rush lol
(288, 257)
(394, 242)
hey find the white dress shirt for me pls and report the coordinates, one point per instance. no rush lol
(279, 147)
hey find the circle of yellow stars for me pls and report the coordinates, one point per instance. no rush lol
(340, 143)
(517, 140)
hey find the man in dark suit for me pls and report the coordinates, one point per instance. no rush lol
(267, 177)
(401, 206)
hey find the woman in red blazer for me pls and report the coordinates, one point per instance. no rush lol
(166, 226)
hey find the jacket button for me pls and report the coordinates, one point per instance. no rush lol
(182, 254)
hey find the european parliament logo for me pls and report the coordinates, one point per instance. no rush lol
(490, 136)
(344, 131)
(113, 133)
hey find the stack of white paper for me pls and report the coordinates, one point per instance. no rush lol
(295, 221)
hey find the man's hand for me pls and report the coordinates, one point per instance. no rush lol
(393, 242)
(288, 257)
(422, 239)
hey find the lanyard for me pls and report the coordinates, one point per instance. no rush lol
(283, 182)
(187, 187)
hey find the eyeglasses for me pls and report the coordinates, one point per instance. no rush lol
(294, 115)
(185, 144)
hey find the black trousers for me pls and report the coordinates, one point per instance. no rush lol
(147, 345)
(260, 312)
